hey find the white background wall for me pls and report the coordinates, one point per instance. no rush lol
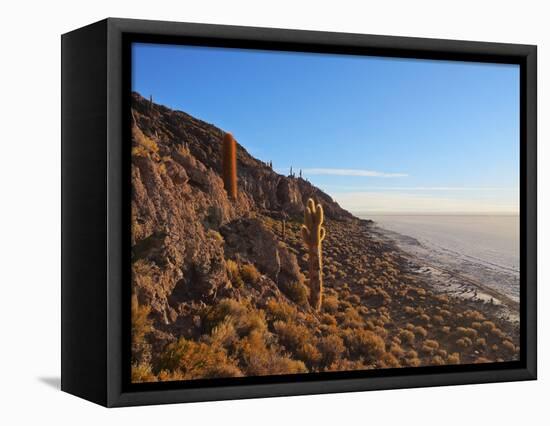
(30, 211)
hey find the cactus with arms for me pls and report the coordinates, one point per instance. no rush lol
(313, 234)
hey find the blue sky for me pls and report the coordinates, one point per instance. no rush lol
(377, 134)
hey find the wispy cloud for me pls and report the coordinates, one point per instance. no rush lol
(417, 188)
(358, 202)
(351, 172)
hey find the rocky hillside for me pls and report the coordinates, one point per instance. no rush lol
(221, 283)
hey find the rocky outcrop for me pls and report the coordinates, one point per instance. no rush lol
(184, 226)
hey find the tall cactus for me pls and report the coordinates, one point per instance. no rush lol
(229, 165)
(313, 234)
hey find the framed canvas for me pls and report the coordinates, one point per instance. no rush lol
(255, 212)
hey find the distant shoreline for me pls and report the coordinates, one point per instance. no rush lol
(446, 278)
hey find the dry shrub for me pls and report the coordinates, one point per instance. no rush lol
(412, 362)
(258, 360)
(429, 347)
(354, 299)
(467, 332)
(142, 143)
(330, 304)
(297, 292)
(481, 342)
(388, 360)
(487, 326)
(142, 373)
(509, 346)
(223, 334)
(474, 315)
(420, 331)
(464, 342)
(141, 324)
(454, 358)
(397, 350)
(249, 273)
(344, 364)
(424, 319)
(365, 344)
(280, 310)
(331, 348)
(498, 333)
(196, 360)
(309, 354)
(417, 291)
(438, 360)
(328, 319)
(351, 318)
(409, 310)
(232, 269)
(292, 336)
(406, 336)
(243, 319)
(411, 354)
(445, 313)
(437, 319)
(476, 325)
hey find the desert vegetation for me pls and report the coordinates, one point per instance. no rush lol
(245, 272)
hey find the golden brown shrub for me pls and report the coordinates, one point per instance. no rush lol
(280, 310)
(388, 360)
(438, 360)
(420, 331)
(365, 344)
(192, 360)
(429, 346)
(464, 342)
(142, 373)
(292, 336)
(330, 304)
(257, 359)
(141, 324)
(509, 346)
(487, 326)
(233, 272)
(406, 336)
(454, 358)
(249, 273)
(331, 348)
(309, 354)
(328, 319)
(480, 342)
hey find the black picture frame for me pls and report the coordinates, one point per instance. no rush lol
(95, 211)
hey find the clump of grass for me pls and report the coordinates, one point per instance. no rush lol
(330, 304)
(292, 336)
(142, 373)
(331, 348)
(406, 336)
(296, 292)
(420, 331)
(464, 342)
(365, 344)
(429, 347)
(193, 360)
(280, 310)
(232, 269)
(249, 273)
(141, 324)
(454, 358)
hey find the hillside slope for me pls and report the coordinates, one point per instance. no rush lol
(220, 285)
